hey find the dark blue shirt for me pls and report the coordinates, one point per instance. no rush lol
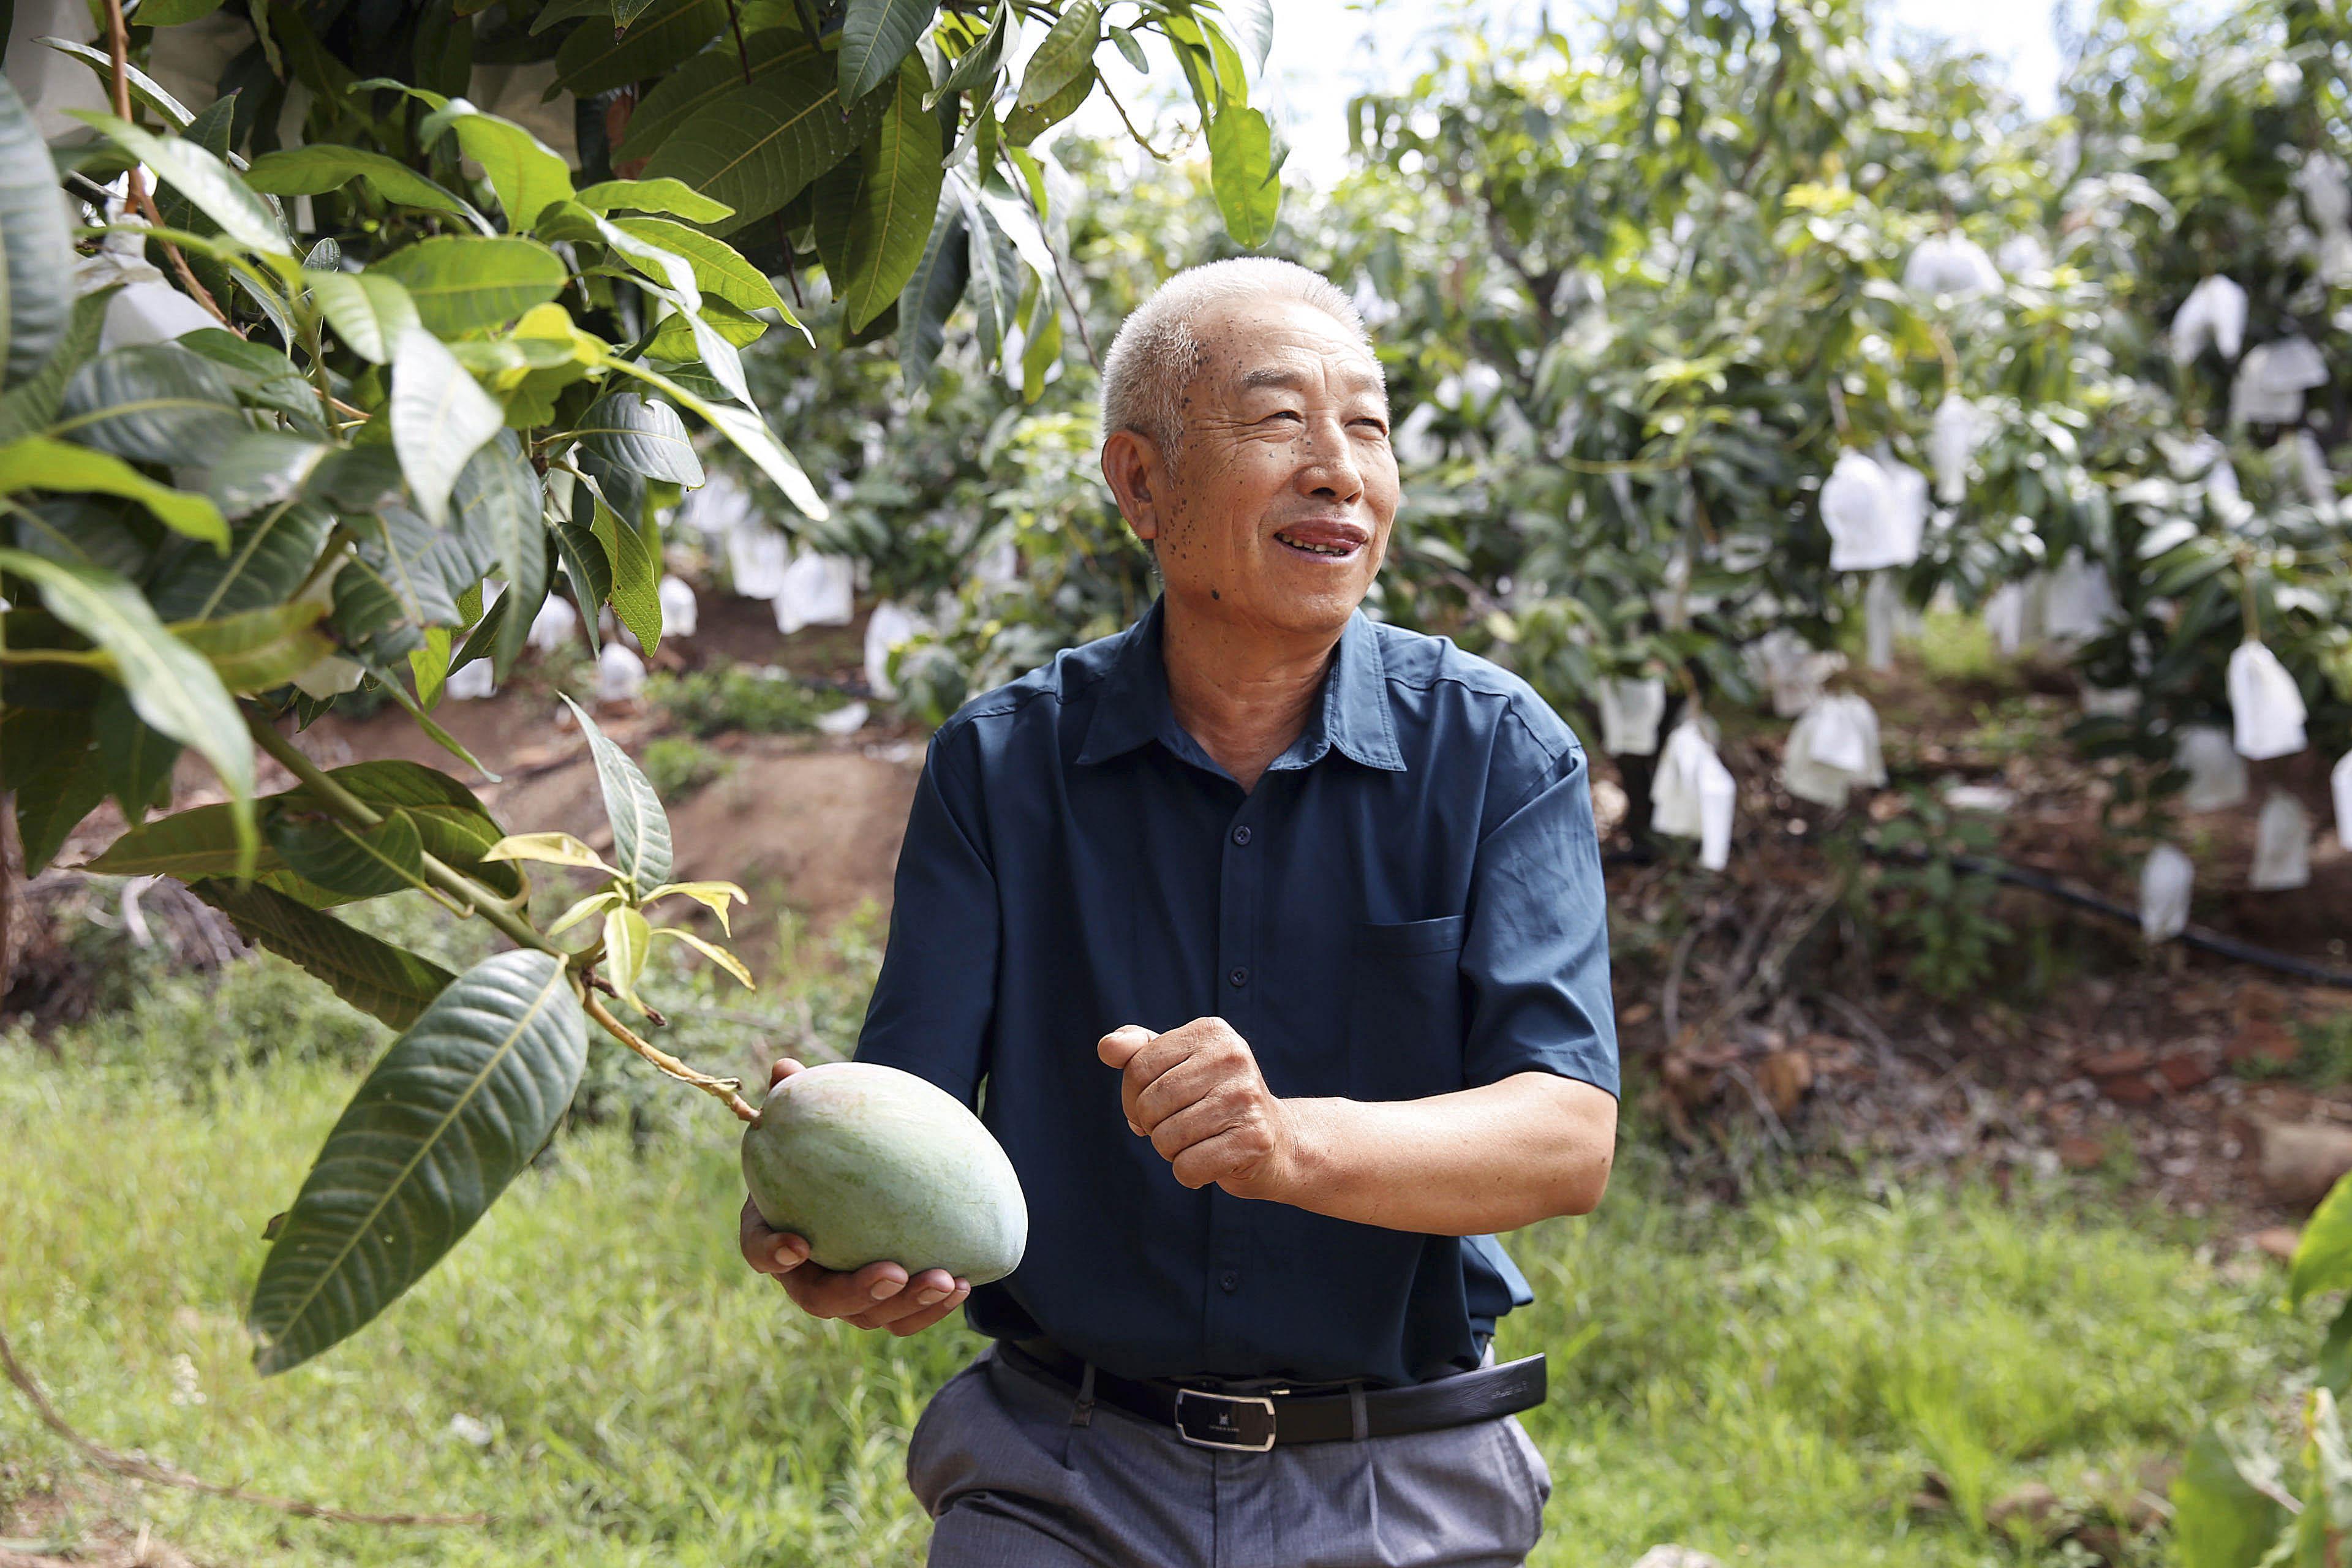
(1408, 903)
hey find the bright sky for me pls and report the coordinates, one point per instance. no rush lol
(1327, 50)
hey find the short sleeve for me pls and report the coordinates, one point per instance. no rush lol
(1535, 955)
(932, 1004)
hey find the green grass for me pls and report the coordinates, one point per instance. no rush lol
(1769, 1383)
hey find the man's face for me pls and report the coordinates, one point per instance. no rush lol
(1277, 512)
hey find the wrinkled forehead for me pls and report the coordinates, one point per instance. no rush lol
(1247, 345)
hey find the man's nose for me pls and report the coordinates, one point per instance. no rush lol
(1326, 465)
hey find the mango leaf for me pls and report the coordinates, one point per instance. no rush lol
(386, 982)
(2322, 1258)
(452, 824)
(369, 310)
(215, 188)
(703, 80)
(525, 173)
(499, 509)
(646, 439)
(57, 775)
(875, 36)
(144, 87)
(627, 939)
(31, 404)
(653, 196)
(454, 1110)
(1250, 25)
(712, 896)
(1241, 172)
(747, 430)
(170, 685)
(360, 863)
(684, 293)
(172, 12)
(979, 62)
(589, 569)
(594, 61)
(440, 418)
(1065, 55)
(636, 569)
(720, 271)
(549, 848)
(256, 650)
(37, 463)
(464, 283)
(594, 904)
(136, 760)
(995, 271)
(678, 337)
(896, 201)
(712, 950)
(1028, 121)
(36, 258)
(2222, 1516)
(932, 291)
(154, 402)
(641, 845)
(756, 146)
(2335, 1362)
(268, 554)
(323, 166)
(1042, 348)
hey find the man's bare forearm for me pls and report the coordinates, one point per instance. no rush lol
(1488, 1159)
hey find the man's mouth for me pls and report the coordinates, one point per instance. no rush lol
(1334, 542)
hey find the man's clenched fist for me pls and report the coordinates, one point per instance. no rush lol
(1196, 1092)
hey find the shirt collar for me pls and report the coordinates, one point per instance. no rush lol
(1353, 715)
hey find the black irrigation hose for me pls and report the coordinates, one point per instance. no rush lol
(2193, 936)
(2048, 886)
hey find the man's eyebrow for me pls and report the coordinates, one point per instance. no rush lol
(1291, 380)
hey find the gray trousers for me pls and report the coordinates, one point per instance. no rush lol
(1013, 1477)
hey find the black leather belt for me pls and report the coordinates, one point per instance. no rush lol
(1254, 1423)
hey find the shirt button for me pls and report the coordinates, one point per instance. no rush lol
(1229, 1280)
(1239, 978)
(1240, 835)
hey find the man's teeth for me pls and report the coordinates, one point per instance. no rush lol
(1316, 549)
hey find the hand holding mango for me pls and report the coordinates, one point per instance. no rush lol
(875, 1198)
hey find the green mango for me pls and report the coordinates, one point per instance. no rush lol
(868, 1165)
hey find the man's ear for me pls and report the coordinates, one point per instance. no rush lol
(1131, 466)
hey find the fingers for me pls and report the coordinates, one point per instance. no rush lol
(924, 1295)
(1121, 1045)
(768, 1251)
(1233, 1155)
(784, 1068)
(1196, 1123)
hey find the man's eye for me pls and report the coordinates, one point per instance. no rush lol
(1288, 414)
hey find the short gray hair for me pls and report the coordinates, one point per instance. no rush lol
(1152, 359)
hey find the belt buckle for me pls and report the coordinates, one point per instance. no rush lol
(1222, 1424)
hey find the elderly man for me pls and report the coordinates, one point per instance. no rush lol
(1270, 941)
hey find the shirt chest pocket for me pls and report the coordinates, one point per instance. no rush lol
(1406, 1011)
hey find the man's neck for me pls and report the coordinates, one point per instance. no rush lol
(1243, 692)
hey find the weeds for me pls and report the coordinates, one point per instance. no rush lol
(762, 702)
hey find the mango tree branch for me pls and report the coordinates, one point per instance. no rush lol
(725, 1089)
(478, 898)
(118, 44)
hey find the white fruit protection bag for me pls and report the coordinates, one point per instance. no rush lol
(1876, 515)
(2266, 710)
(2340, 784)
(1790, 668)
(2215, 313)
(1959, 429)
(2282, 846)
(554, 625)
(2217, 775)
(815, 590)
(620, 674)
(1695, 794)
(1833, 748)
(885, 628)
(1630, 710)
(2166, 880)
(681, 617)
